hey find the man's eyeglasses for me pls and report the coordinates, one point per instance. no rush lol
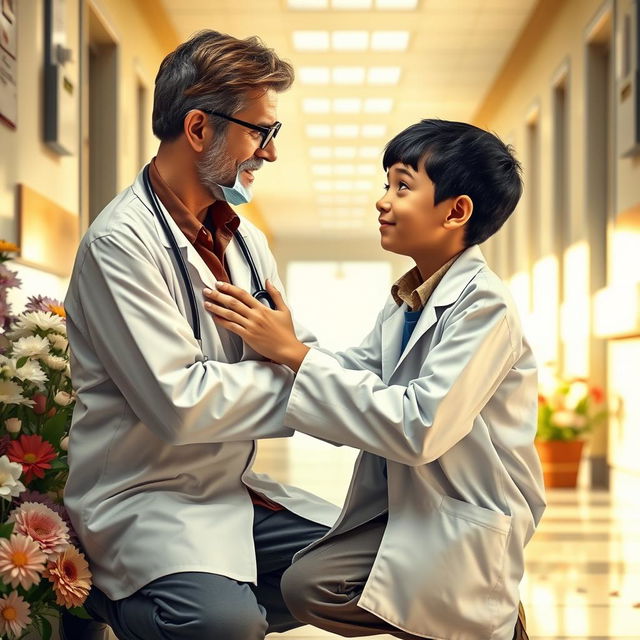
(268, 133)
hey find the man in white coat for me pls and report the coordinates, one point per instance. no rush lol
(184, 540)
(441, 397)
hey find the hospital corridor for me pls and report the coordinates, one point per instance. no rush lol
(454, 185)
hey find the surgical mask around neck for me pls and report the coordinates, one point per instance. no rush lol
(238, 194)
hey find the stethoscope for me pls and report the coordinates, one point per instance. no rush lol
(260, 292)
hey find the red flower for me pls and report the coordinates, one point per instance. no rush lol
(541, 399)
(597, 394)
(33, 453)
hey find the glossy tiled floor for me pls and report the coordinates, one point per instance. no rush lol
(583, 565)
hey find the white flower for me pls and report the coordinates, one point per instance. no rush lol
(577, 392)
(568, 419)
(64, 443)
(13, 425)
(32, 372)
(58, 342)
(29, 322)
(55, 362)
(11, 393)
(10, 486)
(63, 399)
(31, 346)
(7, 367)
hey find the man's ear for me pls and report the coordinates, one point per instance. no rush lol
(195, 126)
(459, 212)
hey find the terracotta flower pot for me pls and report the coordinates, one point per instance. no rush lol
(560, 461)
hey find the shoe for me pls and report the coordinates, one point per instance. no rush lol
(520, 632)
(74, 628)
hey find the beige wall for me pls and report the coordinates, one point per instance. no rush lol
(555, 42)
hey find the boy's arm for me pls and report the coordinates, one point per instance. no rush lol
(416, 423)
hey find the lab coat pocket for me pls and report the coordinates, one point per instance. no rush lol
(473, 513)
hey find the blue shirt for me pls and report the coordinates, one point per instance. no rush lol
(410, 321)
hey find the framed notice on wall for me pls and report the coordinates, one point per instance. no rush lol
(8, 63)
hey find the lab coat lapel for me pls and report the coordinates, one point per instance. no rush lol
(391, 338)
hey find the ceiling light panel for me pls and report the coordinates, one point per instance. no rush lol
(345, 153)
(370, 153)
(348, 75)
(346, 130)
(318, 130)
(316, 105)
(344, 169)
(366, 169)
(320, 153)
(321, 170)
(347, 105)
(390, 40)
(378, 105)
(311, 40)
(351, 5)
(373, 130)
(307, 5)
(350, 40)
(323, 185)
(383, 75)
(396, 5)
(314, 75)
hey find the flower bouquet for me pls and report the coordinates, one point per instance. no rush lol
(41, 569)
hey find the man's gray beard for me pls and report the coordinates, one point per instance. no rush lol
(215, 168)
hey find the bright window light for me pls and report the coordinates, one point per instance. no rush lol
(370, 153)
(366, 170)
(383, 75)
(318, 130)
(344, 169)
(320, 153)
(351, 4)
(378, 105)
(373, 130)
(307, 5)
(390, 40)
(314, 75)
(321, 169)
(345, 153)
(396, 4)
(363, 185)
(347, 105)
(311, 40)
(316, 105)
(346, 130)
(350, 40)
(323, 185)
(348, 75)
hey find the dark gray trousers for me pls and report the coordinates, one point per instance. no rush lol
(205, 606)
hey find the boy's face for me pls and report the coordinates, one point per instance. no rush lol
(410, 223)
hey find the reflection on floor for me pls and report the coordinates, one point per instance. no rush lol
(583, 564)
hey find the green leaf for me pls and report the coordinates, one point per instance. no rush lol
(80, 612)
(22, 361)
(47, 631)
(6, 529)
(55, 428)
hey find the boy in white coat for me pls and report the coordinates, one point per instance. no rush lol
(441, 397)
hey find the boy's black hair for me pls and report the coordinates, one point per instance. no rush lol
(461, 159)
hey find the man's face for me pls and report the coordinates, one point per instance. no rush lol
(239, 147)
(410, 223)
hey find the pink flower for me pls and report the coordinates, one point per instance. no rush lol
(41, 498)
(69, 573)
(44, 525)
(21, 561)
(14, 615)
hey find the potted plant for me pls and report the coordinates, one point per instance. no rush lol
(42, 570)
(567, 412)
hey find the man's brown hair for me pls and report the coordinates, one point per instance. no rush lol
(213, 71)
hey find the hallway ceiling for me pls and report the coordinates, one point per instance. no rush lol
(381, 66)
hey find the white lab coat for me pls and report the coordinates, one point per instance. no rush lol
(455, 418)
(162, 440)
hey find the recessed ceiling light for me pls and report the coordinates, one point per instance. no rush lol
(344, 169)
(323, 185)
(378, 105)
(363, 185)
(390, 40)
(369, 152)
(351, 4)
(383, 75)
(318, 130)
(347, 105)
(316, 105)
(396, 4)
(373, 130)
(346, 130)
(321, 169)
(366, 170)
(314, 75)
(307, 5)
(345, 153)
(350, 40)
(311, 40)
(320, 153)
(348, 75)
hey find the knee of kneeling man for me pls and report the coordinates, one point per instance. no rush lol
(247, 624)
(300, 591)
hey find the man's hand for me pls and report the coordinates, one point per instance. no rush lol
(267, 331)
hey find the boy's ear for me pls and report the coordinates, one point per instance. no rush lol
(459, 212)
